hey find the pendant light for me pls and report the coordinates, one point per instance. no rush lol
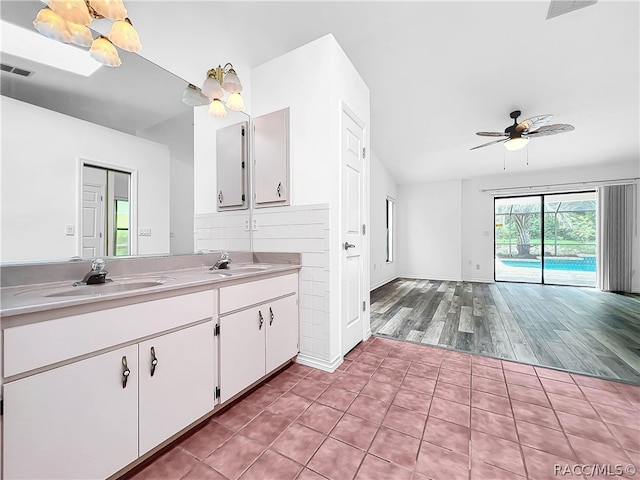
(123, 35)
(104, 52)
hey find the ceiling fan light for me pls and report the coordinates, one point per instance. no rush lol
(123, 35)
(104, 52)
(113, 9)
(231, 82)
(74, 11)
(235, 102)
(81, 34)
(517, 143)
(52, 25)
(216, 109)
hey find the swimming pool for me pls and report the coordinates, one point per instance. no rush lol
(582, 264)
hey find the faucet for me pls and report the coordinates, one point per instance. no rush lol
(222, 263)
(97, 274)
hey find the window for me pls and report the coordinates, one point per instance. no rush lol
(390, 228)
(122, 227)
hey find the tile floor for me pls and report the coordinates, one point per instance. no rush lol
(398, 411)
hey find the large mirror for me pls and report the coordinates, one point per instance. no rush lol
(120, 136)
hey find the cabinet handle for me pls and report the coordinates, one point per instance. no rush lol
(154, 361)
(125, 372)
(272, 316)
(279, 188)
(261, 319)
(220, 197)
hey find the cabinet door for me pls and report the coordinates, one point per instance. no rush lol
(73, 422)
(282, 332)
(242, 351)
(231, 148)
(182, 387)
(271, 158)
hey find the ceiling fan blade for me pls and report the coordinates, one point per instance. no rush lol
(533, 123)
(490, 143)
(550, 130)
(492, 134)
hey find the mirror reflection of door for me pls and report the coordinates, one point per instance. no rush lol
(106, 208)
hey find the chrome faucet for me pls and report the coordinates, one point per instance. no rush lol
(223, 262)
(97, 274)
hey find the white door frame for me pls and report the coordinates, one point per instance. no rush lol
(133, 200)
(366, 317)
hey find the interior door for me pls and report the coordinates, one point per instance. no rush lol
(93, 244)
(352, 236)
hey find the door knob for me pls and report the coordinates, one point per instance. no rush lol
(348, 245)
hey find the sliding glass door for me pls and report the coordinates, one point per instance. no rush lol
(546, 239)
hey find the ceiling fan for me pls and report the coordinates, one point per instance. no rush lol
(519, 134)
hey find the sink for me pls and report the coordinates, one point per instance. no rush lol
(248, 268)
(219, 274)
(101, 289)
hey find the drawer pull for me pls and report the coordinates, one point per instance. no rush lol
(220, 197)
(125, 372)
(154, 361)
(272, 316)
(261, 319)
(279, 189)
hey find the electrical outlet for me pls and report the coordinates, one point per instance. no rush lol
(70, 230)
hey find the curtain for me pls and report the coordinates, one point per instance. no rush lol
(617, 226)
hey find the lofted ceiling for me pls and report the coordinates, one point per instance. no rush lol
(438, 71)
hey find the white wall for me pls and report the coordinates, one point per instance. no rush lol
(301, 80)
(177, 134)
(323, 80)
(213, 230)
(39, 186)
(383, 186)
(429, 230)
(477, 210)
(445, 229)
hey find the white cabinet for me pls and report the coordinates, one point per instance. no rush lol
(282, 332)
(81, 419)
(73, 422)
(271, 158)
(180, 387)
(257, 339)
(231, 167)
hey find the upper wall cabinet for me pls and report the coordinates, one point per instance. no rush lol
(231, 167)
(271, 159)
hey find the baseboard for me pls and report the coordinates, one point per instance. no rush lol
(422, 277)
(318, 363)
(384, 282)
(479, 280)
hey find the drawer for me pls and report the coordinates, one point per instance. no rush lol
(37, 345)
(243, 295)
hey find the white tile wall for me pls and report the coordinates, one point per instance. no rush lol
(222, 231)
(303, 229)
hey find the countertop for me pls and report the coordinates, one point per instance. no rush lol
(19, 300)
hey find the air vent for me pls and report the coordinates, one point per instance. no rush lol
(560, 7)
(18, 71)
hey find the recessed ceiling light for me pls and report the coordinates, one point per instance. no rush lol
(29, 44)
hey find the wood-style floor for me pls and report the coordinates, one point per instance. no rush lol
(577, 329)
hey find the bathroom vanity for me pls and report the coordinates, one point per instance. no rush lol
(95, 381)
